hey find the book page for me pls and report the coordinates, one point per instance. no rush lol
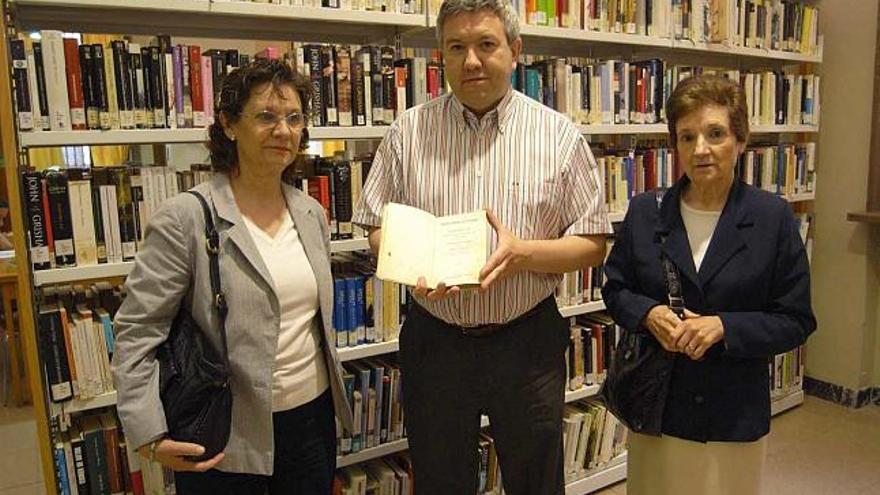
(407, 245)
(461, 248)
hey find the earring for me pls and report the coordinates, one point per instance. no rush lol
(232, 137)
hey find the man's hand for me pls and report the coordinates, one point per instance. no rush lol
(441, 292)
(663, 323)
(509, 256)
(697, 334)
(173, 454)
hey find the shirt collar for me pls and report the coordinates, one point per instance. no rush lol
(499, 115)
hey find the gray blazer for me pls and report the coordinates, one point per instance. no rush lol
(171, 268)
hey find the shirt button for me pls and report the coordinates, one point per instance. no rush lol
(699, 399)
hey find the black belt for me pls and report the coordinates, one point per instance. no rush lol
(490, 328)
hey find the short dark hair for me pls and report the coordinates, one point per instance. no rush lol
(696, 92)
(236, 90)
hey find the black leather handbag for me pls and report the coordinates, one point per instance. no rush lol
(637, 380)
(193, 374)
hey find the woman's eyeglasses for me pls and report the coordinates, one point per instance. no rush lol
(294, 120)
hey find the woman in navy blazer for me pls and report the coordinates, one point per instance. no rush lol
(746, 289)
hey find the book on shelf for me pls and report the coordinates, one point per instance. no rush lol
(617, 92)
(128, 85)
(451, 249)
(84, 217)
(93, 456)
(766, 24)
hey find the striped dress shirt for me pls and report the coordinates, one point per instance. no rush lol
(527, 163)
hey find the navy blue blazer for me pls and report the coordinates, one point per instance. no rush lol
(755, 277)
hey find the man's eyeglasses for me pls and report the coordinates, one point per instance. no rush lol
(294, 120)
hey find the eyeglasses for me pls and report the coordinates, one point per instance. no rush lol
(294, 120)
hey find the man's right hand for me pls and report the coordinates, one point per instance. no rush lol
(441, 292)
(662, 322)
(173, 454)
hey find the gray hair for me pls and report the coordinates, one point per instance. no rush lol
(500, 8)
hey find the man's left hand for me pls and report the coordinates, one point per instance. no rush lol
(698, 334)
(509, 256)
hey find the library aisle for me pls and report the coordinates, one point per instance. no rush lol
(817, 448)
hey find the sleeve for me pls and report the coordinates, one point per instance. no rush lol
(621, 293)
(154, 290)
(584, 211)
(383, 182)
(788, 319)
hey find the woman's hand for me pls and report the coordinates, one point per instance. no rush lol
(697, 334)
(663, 323)
(173, 454)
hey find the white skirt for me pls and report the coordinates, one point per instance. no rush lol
(669, 465)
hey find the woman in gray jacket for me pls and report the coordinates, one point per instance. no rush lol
(275, 272)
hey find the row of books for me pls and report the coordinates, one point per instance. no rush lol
(81, 217)
(93, 457)
(582, 286)
(784, 169)
(769, 24)
(592, 339)
(337, 184)
(623, 92)
(63, 85)
(366, 310)
(591, 438)
(374, 391)
(76, 338)
(786, 372)
(399, 6)
(781, 169)
(389, 475)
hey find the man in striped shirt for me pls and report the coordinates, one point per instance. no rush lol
(499, 350)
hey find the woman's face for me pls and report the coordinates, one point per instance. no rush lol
(707, 146)
(269, 130)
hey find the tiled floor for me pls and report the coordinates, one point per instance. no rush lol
(815, 449)
(819, 448)
(20, 470)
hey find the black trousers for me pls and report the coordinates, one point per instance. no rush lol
(305, 458)
(515, 376)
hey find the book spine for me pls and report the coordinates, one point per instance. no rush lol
(148, 84)
(157, 86)
(59, 208)
(54, 355)
(75, 96)
(87, 69)
(56, 81)
(100, 90)
(195, 74)
(39, 88)
(20, 78)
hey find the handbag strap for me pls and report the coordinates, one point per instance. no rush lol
(670, 271)
(212, 246)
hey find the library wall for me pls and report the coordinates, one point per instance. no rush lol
(846, 263)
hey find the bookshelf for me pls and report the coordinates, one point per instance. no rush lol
(42, 139)
(242, 20)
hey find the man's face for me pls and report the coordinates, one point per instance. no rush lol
(478, 59)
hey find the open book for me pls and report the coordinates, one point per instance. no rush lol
(415, 244)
